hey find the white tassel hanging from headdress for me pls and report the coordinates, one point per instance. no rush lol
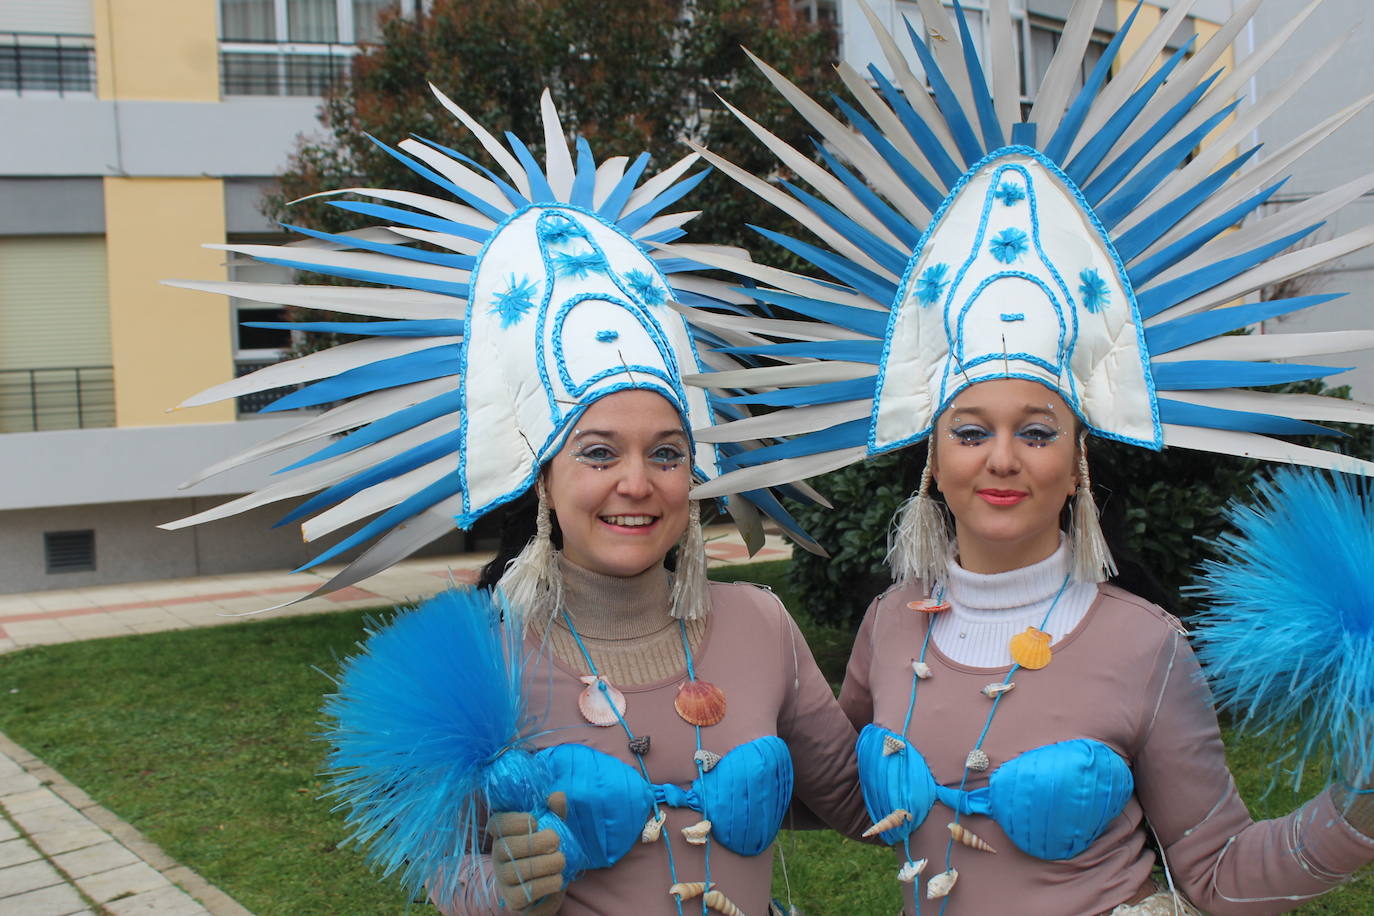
(1092, 558)
(532, 582)
(689, 596)
(918, 547)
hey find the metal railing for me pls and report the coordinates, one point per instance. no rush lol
(282, 68)
(47, 62)
(64, 397)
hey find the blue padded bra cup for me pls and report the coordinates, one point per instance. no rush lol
(1052, 801)
(744, 797)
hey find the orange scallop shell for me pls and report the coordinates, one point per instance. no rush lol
(1031, 649)
(928, 606)
(700, 702)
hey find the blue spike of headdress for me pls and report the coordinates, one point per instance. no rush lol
(886, 255)
(910, 175)
(511, 194)
(434, 177)
(1058, 147)
(434, 362)
(959, 127)
(907, 233)
(405, 252)
(411, 218)
(978, 84)
(615, 201)
(920, 132)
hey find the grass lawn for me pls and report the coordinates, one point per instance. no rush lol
(204, 740)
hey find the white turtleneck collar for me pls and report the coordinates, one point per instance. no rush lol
(988, 609)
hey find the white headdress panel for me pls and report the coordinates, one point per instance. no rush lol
(566, 310)
(529, 297)
(1098, 237)
(1015, 279)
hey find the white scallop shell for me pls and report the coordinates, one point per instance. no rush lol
(941, 884)
(600, 707)
(921, 669)
(697, 833)
(908, 872)
(993, 690)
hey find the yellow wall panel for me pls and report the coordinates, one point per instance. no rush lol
(1145, 21)
(166, 50)
(167, 343)
(1205, 30)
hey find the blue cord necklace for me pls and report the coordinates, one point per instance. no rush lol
(977, 759)
(639, 748)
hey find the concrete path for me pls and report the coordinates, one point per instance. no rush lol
(62, 854)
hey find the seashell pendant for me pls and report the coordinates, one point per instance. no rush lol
(920, 668)
(962, 834)
(700, 702)
(600, 703)
(940, 885)
(928, 606)
(705, 759)
(639, 746)
(697, 833)
(977, 760)
(653, 827)
(892, 745)
(993, 691)
(908, 872)
(1031, 649)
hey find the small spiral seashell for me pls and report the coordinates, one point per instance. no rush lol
(928, 606)
(921, 669)
(977, 760)
(689, 889)
(1031, 649)
(992, 691)
(968, 838)
(892, 745)
(602, 707)
(895, 819)
(941, 884)
(908, 872)
(653, 827)
(697, 833)
(639, 746)
(700, 703)
(707, 760)
(721, 904)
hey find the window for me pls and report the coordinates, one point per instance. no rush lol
(47, 62)
(294, 47)
(69, 551)
(255, 348)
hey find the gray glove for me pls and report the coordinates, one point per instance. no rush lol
(527, 861)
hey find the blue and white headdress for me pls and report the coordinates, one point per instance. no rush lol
(529, 297)
(1086, 247)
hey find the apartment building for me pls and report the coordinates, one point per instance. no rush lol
(134, 130)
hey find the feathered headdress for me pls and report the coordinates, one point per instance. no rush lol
(1084, 246)
(527, 298)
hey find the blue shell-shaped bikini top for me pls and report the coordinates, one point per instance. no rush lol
(744, 796)
(1052, 801)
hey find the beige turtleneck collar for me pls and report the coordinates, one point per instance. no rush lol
(624, 623)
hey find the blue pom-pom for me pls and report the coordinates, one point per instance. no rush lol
(425, 736)
(1288, 637)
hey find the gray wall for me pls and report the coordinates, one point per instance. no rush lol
(1343, 157)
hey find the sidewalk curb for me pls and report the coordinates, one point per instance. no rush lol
(214, 900)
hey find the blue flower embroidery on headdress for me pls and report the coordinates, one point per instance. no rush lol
(1094, 289)
(1009, 192)
(1008, 245)
(645, 287)
(931, 284)
(558, 230)
(578, 266)
(512, 304)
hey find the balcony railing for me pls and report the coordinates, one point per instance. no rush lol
(276, 68)
(250, 404)
(67, 397)
(47, 62)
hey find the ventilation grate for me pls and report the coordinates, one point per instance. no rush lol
(69, 551)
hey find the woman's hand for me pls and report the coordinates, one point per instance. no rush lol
(527, 861)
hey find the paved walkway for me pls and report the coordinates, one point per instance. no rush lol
(62, 854)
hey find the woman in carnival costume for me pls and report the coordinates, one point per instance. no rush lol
(1002, 289)
(530, 350)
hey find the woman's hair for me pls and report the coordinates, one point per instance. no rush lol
(516, 523)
